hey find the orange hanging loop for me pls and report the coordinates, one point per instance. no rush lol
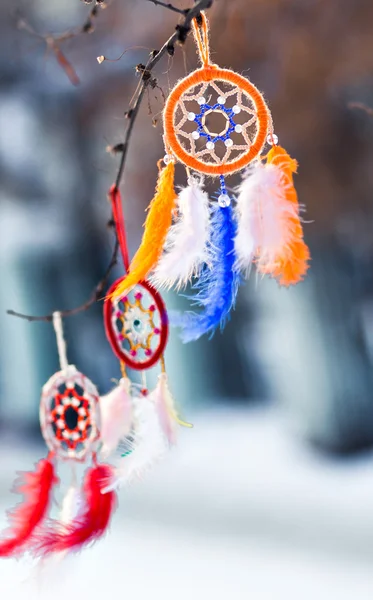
(201, 36)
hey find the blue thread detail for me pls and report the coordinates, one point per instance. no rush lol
(223, 192)
(198, 119)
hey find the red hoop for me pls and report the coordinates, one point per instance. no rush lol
(109, 307)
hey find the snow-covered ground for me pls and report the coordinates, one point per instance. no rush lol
(239, 510)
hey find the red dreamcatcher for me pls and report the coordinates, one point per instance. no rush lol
(136, 325)
(70, 420)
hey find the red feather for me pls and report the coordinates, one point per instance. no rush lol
(91, 524)
(36, 488)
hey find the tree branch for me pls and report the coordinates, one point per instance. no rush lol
(361, 106)
(170, 7)
(168, 47)
(54, 41)
(95, 296)
(179, 36)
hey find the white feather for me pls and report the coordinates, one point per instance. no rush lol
(185, 250)
(263, 216)
(116, 416)
(165, 404)
(147, 448)
(72, 505)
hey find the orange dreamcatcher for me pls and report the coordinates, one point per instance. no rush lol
(216, 123)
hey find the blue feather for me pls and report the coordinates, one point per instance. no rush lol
(218, 282)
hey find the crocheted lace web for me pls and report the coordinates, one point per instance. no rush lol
(215, 123)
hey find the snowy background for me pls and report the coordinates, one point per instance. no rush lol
(238, 510)
(270, 496)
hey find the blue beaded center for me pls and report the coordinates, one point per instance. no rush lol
(201, 130)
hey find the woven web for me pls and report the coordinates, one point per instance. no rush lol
(196, 125)
(70, 415)
(136, 322)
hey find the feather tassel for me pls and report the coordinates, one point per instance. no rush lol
(269, 227)
(248, 216)
(157, 224)
(72, 506)
(290, 265)
(73, 501)
(92, 522)
(116, 416)
(186, 242)
(218, 283)
(37, 490)
(147, 447)
(165, 406)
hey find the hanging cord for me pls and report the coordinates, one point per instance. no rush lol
(123, 369)
(201, 35)
(144, 382)
(61, 344)
(116, 204)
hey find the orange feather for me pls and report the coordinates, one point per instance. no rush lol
(156, 226)
(291, 263)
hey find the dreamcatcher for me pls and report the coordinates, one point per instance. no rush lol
(78, 426)
(70, 422)
(216, 123)
(136, 325)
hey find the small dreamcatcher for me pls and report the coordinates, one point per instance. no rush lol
(217, 123)
(70, 419)
(136, 326)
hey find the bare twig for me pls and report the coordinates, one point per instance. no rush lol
(102, 58)
(96, 295)
(168, 47)
(361, 106)
(64, 63)
(146, 79)
(171, 7)
(54, 41)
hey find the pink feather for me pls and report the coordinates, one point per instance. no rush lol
(160, 396)
(25, 518)
(90, 525)
(166, 409)
(116, 416)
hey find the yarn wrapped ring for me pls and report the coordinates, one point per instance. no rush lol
(136, 325)
(212, 74)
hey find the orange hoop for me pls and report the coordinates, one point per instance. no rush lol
(206, 74)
